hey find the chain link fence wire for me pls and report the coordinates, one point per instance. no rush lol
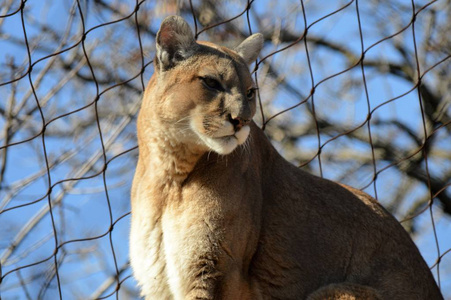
(354, 91)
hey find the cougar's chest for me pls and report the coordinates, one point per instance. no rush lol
(147, 255)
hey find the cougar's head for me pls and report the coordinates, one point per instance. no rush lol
(205, 94)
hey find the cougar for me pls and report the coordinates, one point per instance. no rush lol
(217, 213)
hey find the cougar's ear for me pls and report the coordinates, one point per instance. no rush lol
(250, 48)
(175, 42)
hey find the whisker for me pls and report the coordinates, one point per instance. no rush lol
(208, 155)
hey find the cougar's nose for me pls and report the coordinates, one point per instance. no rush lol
(238, 122)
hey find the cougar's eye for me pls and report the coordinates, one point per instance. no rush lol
(250, 93)
(211, 83)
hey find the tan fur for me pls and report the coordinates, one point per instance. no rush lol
(248, 225)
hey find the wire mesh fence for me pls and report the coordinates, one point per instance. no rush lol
(354, 91)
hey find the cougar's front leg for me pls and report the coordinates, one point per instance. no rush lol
(192, 254)
(199, 263)
(205, 278)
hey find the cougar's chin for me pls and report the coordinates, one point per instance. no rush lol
(226, 144)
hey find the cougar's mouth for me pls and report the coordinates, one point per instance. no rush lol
(226, 137)
(227, 143)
